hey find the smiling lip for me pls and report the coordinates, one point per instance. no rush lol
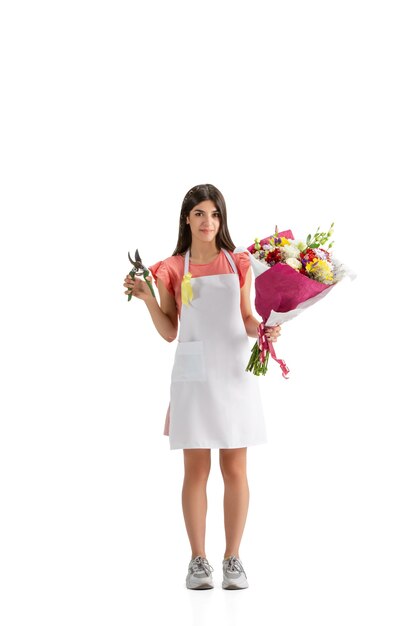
(206, 230)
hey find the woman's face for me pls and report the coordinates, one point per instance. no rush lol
(204, 220)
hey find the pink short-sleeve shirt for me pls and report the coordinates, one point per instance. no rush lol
(171, 271)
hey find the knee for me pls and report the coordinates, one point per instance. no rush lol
(198, 474)
(232, 470)
(197, 468)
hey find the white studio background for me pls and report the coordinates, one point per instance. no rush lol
(301, 113)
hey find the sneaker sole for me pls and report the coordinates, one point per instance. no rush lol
(199, 586)
(230, 586)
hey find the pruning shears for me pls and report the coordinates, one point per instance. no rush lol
(139, 269)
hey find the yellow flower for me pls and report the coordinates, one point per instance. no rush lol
(319, 269)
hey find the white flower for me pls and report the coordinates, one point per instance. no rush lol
(294, 263)
(290, 252)
(320, 254)
(298, 243)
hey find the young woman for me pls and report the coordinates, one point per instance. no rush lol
(214, 402)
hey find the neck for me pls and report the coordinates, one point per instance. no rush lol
(202, 252)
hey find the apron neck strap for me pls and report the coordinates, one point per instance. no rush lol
(228, 256)
(230, 259)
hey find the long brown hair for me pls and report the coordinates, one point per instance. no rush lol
(193, 197)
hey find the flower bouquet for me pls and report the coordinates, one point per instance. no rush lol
(290, 276)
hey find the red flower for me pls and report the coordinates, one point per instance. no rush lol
(308, 256)
(311, 253)
(273, 256)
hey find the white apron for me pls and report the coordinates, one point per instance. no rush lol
(214, 402)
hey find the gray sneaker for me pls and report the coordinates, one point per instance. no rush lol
(199, 574)
(234, 576)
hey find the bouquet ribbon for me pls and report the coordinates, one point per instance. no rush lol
(264, 345)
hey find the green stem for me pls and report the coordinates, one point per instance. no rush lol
(255, 366)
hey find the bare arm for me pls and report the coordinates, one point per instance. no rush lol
(164, 315)
(251, 323)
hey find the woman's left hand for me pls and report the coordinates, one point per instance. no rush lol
(272, 332)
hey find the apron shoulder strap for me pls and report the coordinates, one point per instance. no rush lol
(187, 261)
(230, 259)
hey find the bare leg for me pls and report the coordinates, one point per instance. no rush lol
(236, 496)
(197, 463)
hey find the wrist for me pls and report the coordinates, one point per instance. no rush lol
(152, 303)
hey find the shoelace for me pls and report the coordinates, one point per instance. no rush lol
(200, 563)
(234, 565)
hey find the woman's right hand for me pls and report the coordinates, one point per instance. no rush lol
(136, 286)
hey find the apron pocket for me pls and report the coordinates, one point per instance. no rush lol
(189, 362)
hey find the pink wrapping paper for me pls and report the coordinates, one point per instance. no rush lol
(281, 288)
